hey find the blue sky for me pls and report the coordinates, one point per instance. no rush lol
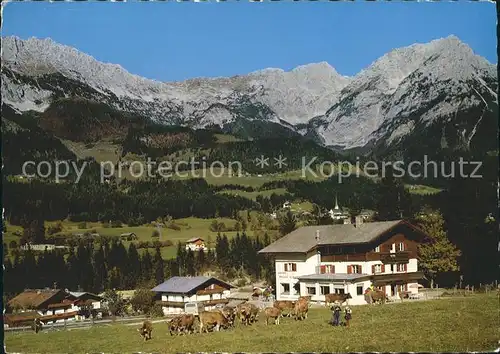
(176, 41)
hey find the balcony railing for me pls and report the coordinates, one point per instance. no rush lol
(398, 257)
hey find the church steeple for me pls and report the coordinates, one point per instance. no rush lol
(336, 203)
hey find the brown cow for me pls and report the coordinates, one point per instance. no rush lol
(272, 312)
(340, 298)
(182, 324)
(285, 306)
(230, 313)
(247, 313)
(145, 330)
(209, 319)
(374, 296)
(307, 298)
(300, 310)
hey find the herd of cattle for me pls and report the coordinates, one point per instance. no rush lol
(246, 313)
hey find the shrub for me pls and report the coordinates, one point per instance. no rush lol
(54, 229)
(174, 226)
(156, 311)
(116, 223)
(155, 234)
(82, 225)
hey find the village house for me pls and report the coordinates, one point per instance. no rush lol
(41, 247)
(348, 258)
(128, 236)
(196, 244)
(176, 292)
(49, 305)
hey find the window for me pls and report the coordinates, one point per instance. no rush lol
(401, 246)
(290, 267)
(377, 268)
(339, 291)
(324, 289)
(311, 290)
(286, 288)
(377, 249)
(393, 247)
(359, 290)
(401, 267)
(354, 269)
(327, 269)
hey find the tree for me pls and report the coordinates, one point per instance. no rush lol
(439, 254)
(142, 301)
(158, 266)
(288, 223)
(114, 302)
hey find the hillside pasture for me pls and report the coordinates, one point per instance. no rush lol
(461, 324)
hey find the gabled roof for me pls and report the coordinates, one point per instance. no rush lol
(184, 285)
(303, 239)
(33, 298)
(194, 239)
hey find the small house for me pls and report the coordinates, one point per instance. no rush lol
(128, 236)
(196, 244)
(51, 304)
(176, 292)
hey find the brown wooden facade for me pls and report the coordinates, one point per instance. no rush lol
(367, 251)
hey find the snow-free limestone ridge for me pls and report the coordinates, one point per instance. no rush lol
(407, 88)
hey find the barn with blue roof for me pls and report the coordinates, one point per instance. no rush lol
(176, 292)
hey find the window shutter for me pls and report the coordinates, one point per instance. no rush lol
(286, 267)
(349, 269)
(373, 269)
(322, 269)
(406, 287)
(360, 270)
(332, 269)
(294, 267)
(383, 268)
(405, 268)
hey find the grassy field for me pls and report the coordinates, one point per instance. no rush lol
(421, 189)
(189, 228)
(253, 195)
(219, 177)
(456, 324)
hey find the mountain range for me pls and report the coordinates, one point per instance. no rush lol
(439, 93)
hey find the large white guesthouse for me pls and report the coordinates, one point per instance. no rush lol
(348, 258)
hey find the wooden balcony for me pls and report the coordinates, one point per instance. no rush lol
(397, 257)
(210, 291)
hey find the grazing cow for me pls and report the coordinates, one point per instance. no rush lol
(230, 314)
(182, 324)
(307, 298)
(145, 330)
(210, 319)
(374, 296)
(300, 310)
(247, 313)
(285, 306)
(340, 298)
(272, 312)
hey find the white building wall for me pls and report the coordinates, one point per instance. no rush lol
(307, 264)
